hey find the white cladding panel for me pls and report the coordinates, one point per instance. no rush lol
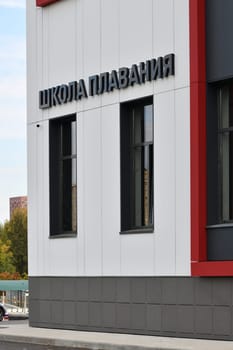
(71, 40)
(164, 185)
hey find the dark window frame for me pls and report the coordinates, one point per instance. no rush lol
(60, 177)
(225, 133)
(128, 158)
(219, 231)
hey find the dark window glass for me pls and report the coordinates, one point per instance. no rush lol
(63, 178)
(137, 165)
(225, 146)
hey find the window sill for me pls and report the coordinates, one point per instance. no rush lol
(212, 268)
(63, 235)
(223, 225)
(138, 231)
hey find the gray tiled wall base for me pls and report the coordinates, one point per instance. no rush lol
(166, 306)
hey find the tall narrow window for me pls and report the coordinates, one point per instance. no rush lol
(137, 166)
(225, 137)
(63, 177)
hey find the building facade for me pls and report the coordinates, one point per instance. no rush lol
(130, 161)
(17, 202)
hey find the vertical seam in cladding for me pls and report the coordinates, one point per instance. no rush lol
(154, 156)
(152, 37)
(84, 192)
(75, 38)
(175, 154)
(119, 136)
(47, 49)
(42, 195)
(77, 185)
(153, 89)
(41, 54)
(100, 32)
(83, 152)
(101, 144)
(82, 34)
(175, 181)
(36, 177)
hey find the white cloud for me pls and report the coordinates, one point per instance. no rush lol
(13, 48)
(12, 87)
(13, 3)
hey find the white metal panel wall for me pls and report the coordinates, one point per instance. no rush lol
(110, 184)
(70, 40)
(164, 184)
(182, 176)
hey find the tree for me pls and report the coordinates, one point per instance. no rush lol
(6, 257)
(16, 231)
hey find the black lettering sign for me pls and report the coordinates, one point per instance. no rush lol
(93, 85)
(134, 76)
(113, 81)
(81, 90)
(106, 82)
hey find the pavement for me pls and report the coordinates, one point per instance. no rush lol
(21, 336)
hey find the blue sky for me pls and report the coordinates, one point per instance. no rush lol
(13, 161)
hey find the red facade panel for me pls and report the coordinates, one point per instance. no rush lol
(198, 130)
(199, 264)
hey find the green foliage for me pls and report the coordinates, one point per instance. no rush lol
(6, 257)
(15, 231)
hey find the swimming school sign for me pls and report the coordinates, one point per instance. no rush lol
(106, 82)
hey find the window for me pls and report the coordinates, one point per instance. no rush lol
(63, 176)
(225, 154)
(136, 128)
(220, 171)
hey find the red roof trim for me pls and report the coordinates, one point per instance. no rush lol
(42, 3)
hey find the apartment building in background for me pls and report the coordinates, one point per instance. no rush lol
(17, 202)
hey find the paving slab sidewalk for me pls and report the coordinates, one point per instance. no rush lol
(41, 338)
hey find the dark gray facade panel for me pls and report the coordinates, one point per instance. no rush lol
(220, 243)
(169, 290)
(81, 289)
(82, 313)
(204, 320)
(69, 289)
(69, 312)
(167, 306)
(154, 317)
(186, 291)
(222, 292)
(203, 291)
(222, 320)
(109, 315)
(154, 291)
(169, 318)
(219, 48)
(109, 290)
(185, 319)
